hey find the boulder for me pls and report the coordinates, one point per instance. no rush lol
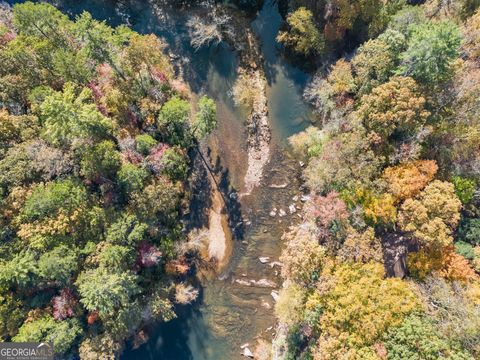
(247, 353)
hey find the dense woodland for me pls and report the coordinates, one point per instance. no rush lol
(386, 262)
(95, 145)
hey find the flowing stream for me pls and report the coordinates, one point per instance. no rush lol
(227, 313)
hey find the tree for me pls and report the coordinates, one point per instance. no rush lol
(454, 312)
(357, 305)
(432, 48)
(58, 265)
(345, 162)
(11, 316)
(302, 259)
(115, 257)
(174, 164)
(19, 271)
(40, 20)
(63, 334)
(16, 168)
(469, 231)
(394, 107)
(308, 143)
(303, 36)
(417, 338)
(443, 262)
(361, 246)
(158, 201)
(185, 294)
(464, 189)
(100, 162)
(407, 180)
(173, 121)
(376, 61)
(378, 209)
(49, 199)
(212, 29)
(290, 304)
(144, 143)
(407, 17)
(433, 215)
(206, 117)
(101, 346)
(106, 292)
(127, 231)
(69, 115)
(131, 177)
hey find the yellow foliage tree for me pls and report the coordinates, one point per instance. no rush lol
(433, 215)
(303, 37)
(289, 306)
(357, 308)
(394, 106)
(341, 78)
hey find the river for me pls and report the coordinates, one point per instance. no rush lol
(227, 314)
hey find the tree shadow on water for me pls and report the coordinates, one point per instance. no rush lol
(183, 338)
(201, 199)
(232, 204)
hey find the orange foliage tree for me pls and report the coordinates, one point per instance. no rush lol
(407, 180)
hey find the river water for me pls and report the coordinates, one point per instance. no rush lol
(227, 314)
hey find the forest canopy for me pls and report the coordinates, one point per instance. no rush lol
(385, 264)
(97, 135)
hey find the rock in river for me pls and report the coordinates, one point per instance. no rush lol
(264, 259)
(247, 353)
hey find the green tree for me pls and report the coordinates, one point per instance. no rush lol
(308, 143)
(376, 60)
(418, 339)
(144, 143)
(19, 271)
(464, 188)
(131, 178)
(106, 292)
(40, 20)
(70, 114)
(174, 164)
(58, 265)
(100, 162)
(469, 231)
(432, 48)
(11, 316)
(173, 121)
(127, 230)
(116, 257)
(206, 117)
(63, 334)
(47, 200)
(346, 161)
